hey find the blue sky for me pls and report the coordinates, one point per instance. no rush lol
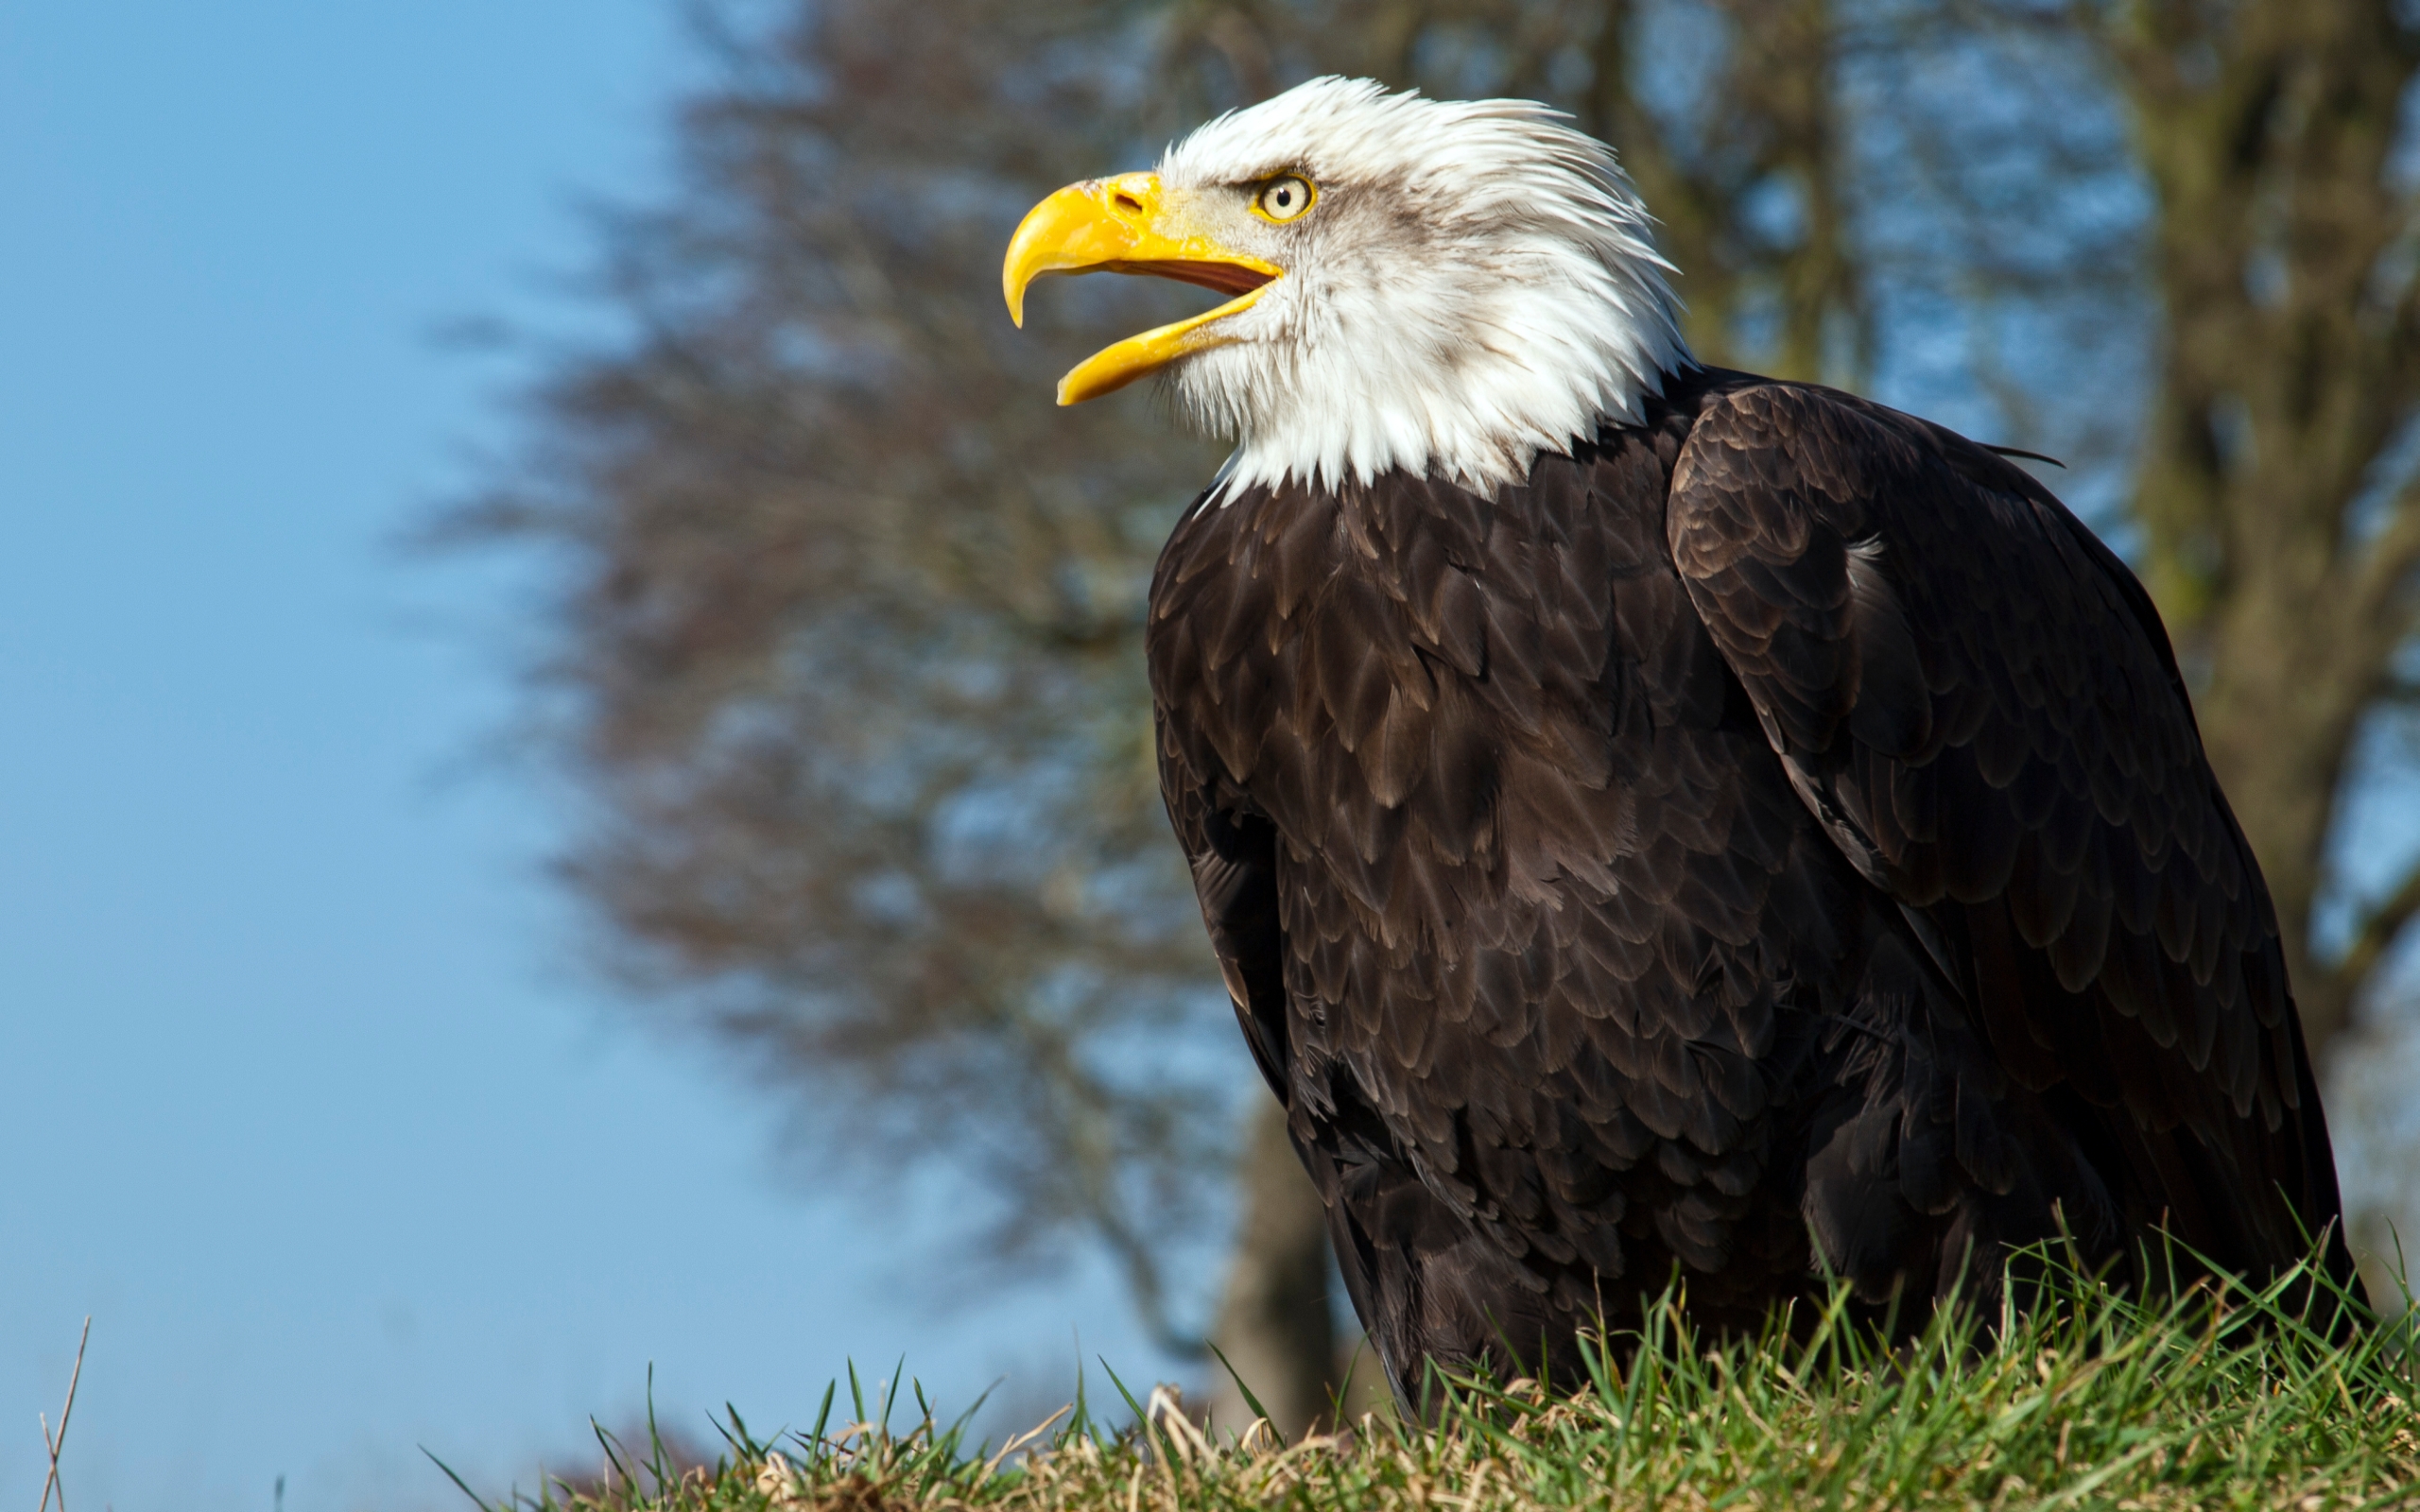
(305, 1097)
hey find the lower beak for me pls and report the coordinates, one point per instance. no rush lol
(1118, 226)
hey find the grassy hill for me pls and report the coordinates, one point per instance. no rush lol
(2084, 1399)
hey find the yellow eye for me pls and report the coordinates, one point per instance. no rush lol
(1285, 198)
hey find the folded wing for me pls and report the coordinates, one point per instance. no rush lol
(1978, 700)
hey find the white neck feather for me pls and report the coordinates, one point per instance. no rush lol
(1477, 285)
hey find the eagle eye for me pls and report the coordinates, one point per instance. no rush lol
(1284, 198)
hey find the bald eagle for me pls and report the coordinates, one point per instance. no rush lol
(1653, 818)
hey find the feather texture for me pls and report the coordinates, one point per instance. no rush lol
(1772, 832)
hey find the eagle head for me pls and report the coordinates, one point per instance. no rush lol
(1446, 287)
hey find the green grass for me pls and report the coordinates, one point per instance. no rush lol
(2228, 1398)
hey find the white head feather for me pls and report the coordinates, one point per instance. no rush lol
(1476, 285)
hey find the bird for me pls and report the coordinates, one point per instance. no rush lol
(1660, 825)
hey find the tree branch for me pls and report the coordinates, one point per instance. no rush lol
(1088, 1154)
(2378, 931)
(2389, 561)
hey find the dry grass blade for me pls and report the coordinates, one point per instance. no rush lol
(51, 1483)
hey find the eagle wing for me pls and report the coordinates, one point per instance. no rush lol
(1235, 876)
(1978, 700)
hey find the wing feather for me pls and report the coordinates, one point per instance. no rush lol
(1977, 700)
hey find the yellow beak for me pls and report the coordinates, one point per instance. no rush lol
(1119, 226)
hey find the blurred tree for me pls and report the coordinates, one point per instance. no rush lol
(2280, 493)
(845, 661)
(845, 653)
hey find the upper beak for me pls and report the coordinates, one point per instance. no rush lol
(1119, 225)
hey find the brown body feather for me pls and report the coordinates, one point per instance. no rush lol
(1775, 827)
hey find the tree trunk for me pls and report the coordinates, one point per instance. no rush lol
(1275, 1325)
(2268, 131)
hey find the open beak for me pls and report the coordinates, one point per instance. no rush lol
(1117, 225)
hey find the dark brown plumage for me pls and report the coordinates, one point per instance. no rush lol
(1777, 821)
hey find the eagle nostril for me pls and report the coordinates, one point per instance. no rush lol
(1130, 202)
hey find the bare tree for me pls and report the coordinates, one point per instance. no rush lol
(2276, 492)
(845, 652)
